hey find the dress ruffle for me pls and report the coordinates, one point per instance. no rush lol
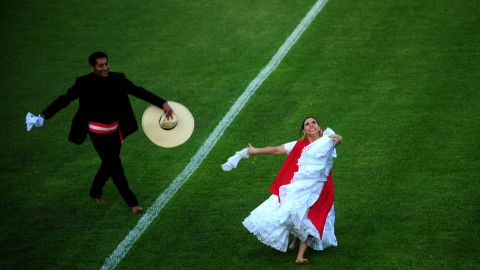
(272, 222)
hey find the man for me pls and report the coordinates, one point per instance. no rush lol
(106, 115)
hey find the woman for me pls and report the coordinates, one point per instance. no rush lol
(302, 200)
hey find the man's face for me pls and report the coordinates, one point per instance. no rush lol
(101, 67)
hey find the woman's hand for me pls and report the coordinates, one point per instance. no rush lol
(336, 138)
(252, 150)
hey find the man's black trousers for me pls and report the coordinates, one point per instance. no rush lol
(108, 149)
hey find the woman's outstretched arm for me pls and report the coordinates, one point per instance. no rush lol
(269, 150)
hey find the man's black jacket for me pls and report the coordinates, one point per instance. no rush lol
(103, 100)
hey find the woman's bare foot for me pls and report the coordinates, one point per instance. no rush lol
(294, 244)
(301, 261)
(301, 253)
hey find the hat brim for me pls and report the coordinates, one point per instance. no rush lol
(168, 138)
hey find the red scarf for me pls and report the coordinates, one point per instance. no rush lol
(319, 210)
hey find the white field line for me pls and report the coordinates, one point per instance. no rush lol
(152, 212)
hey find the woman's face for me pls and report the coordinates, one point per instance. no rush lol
(311, 127)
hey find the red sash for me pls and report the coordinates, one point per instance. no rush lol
(319, 210)
(101, 128)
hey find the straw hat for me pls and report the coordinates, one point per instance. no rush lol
(168, 132)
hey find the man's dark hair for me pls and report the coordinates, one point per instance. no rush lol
(92, 59)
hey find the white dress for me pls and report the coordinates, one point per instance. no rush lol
(272, 221)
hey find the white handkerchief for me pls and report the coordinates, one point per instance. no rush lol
(32, 120)
(232, 162)
(327, 132)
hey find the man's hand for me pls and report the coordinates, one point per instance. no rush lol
(167, 110)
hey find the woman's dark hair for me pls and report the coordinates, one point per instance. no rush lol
(92, 59)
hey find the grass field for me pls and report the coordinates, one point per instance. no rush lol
(398, 79)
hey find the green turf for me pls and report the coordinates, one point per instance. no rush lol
(398, 79)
